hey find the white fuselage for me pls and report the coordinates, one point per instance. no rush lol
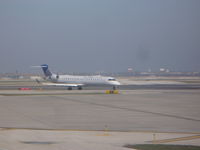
(86, 80)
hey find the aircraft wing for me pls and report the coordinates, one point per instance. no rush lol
(63, 84)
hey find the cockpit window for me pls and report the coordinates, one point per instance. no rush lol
(111, 79)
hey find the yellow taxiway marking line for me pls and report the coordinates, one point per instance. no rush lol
(176, 139)
(104, 134)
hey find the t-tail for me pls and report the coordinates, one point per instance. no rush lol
(46, 71)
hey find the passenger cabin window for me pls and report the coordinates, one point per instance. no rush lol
(111, 80)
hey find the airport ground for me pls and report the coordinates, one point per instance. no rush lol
(90, 119)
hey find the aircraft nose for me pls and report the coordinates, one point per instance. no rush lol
(116, 83)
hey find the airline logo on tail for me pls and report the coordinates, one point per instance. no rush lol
(46, 70)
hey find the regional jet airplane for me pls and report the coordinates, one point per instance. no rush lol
(76, 81)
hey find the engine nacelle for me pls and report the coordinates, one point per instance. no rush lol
(54, 78)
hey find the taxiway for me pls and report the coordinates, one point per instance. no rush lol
(60, 119)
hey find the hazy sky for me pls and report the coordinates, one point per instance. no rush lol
(97, 35)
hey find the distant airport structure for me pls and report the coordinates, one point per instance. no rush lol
(129, 72)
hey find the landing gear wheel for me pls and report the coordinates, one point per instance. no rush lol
(69, 88)
(80, 88)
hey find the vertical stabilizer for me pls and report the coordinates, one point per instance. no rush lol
(46, 71)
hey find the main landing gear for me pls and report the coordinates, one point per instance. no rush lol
(69, 88)
(80, 88)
